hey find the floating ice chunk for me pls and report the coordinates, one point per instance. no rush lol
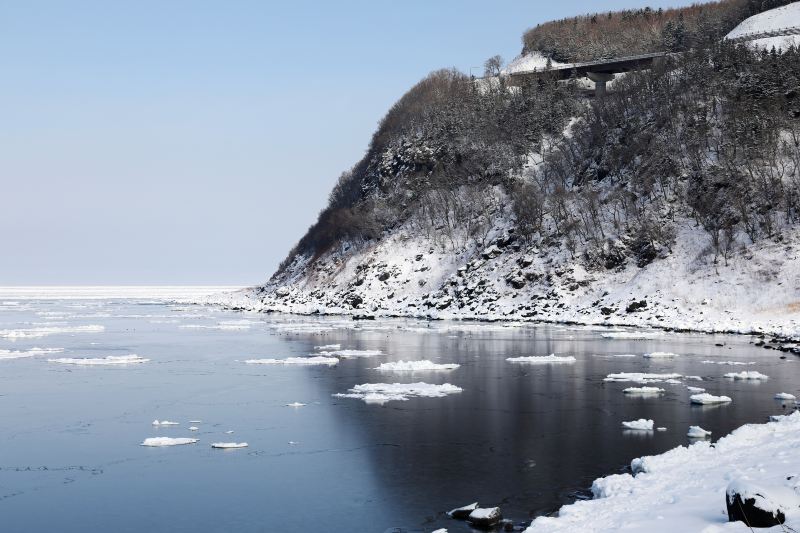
(21, 354)
(732, 363)
(694, 378)
(661, 429)
(110, 360)
(708, 399)
(695, 390)
(228, 445)
(696, 432)
(640, 377)
(295, 404)
(754, 376)
(385, 392)
(349, 354)
(164, 423)
(631, 335)
(785, 396)
(195, 421)
(661, 355)
(414, 366)
(672, 381)
(193, 428)
(167, 441)
(28, 333)
(640, 425)
(542, 359)
(624, 355)
(462, 512)
(230, 431)
(318, 360)
(329, 347)
(643, 391)
(441, 530)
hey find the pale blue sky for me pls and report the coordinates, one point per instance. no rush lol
(163, 141)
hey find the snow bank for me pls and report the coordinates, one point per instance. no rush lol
(708, 399)
(775, 19)
(640, 425)
(754, 376)
(684, 489)
(330, 361)
(110, 360)
(228, 445)
(642, 391)
(414, 366)
(640, 377)
(542, 359)
(386, 392)
(167, 441)
(30, 333)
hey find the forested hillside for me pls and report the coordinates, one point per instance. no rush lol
(481, 199)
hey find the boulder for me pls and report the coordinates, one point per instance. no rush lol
(491, 252)
(485, 518)
(462, 513)
(759, 505)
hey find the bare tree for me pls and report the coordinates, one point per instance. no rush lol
(493, 66)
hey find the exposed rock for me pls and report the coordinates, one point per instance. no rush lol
(633, 307)
(462, 513)
(485, 518)
(759, 506)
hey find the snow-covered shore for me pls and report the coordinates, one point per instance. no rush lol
(684, 489)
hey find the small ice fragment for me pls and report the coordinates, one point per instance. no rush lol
(694, 378)
(696, 432)
(295, 404)
(707, 399)
(228, 445)
(785, 396)
(195, 421)
(293, 443)
(414, 366)
(642, 391)
(329, 347)
(380, 393)
(462, 513)
(110, 360)
(303, 361)
(640, 425)
(164, 423)
(661, 355)
(348, 354)
(753, 376)
(695, 390)
(661, 429)
(229, 432)
(193, 428)
(542, 359)
(167, 441)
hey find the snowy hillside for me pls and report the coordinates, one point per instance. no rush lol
(775, 19)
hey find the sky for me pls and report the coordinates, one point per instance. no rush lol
(194, 142)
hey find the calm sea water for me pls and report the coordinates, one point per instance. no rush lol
(526, 438)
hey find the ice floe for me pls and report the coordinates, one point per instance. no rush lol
(643, 391)
(542, 359)
(640, 377)
(732, 363)
(639, 425)
(167, 441)
(110, 360)
(295, 404)
(329, 347)
(695, 390)
(164, 423)
(785, 396)
(228, 445)
(348, 354)
(631, 335)
(660, 355)
(193, 428)
(386, 392)
(696, 432)
(752, 376)
(21, 354)
(318, 360)
(414, 366)
(29, 333)
(708, 399)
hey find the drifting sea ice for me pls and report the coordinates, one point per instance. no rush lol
(167, 441)
(348, 354)
(708, 399)
(193, 428)
(643, 391)
(542, 359)
(640, 425)
(295, 404)
(228, 445)
(631, 335)
(695, 390)
(319, 360)
(385, 392)
(29, 333)
(661, 355)
(111, 360)
(732, 363)
(414, 366)
(21, 354)
(752, 376)
(785, 396)
(164, 423)
(640, 377)
(329, 347)
(696, 432)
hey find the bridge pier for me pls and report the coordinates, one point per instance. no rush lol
(600, 79)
